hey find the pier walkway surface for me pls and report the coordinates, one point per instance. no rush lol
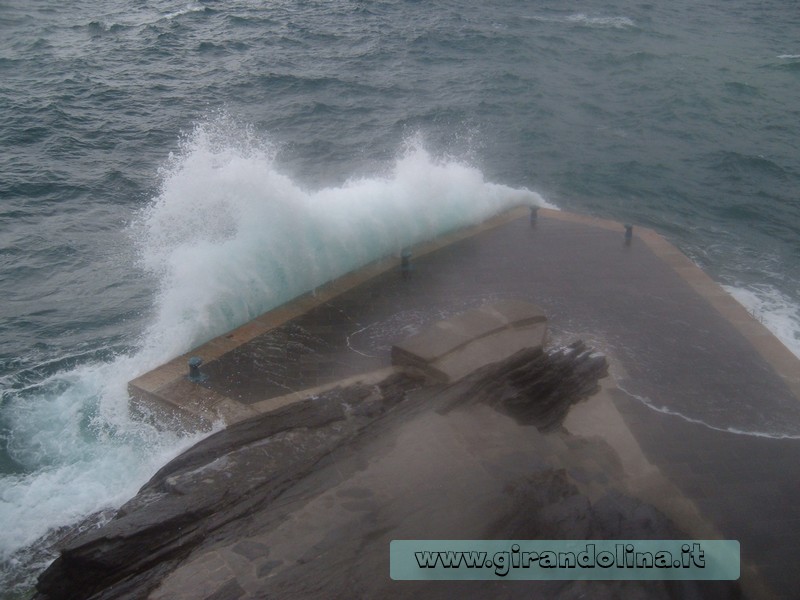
(701, 402)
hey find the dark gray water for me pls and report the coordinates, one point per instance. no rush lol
(169, 170)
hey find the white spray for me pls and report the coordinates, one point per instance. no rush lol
(227, 237)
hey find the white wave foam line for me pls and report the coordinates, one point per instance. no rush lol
(189, 8)
(779, 313)
(145, 17)
(732, 430)
(789, 56)
(230, 237)
(582, 19)
(616, 22)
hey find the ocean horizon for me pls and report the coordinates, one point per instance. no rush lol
(170, 171)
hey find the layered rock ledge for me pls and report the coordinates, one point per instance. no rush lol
(303, 502)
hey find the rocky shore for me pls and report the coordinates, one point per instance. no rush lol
(303, 502)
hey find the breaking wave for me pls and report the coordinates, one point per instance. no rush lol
(227, 237)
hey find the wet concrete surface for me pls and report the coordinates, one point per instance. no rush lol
(677, 349)
(671, 348)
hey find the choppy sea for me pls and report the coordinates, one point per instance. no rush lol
(169, 170)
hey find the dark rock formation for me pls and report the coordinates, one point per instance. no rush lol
(534, 386)
(302, 502)
(225, 477)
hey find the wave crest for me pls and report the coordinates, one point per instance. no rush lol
(230, 236)
(584, 20)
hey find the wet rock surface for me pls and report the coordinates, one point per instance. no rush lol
(534, 387)
(225, 477)
(303, 502)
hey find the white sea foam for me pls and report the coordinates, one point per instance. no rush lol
(189, 8)
(789, 56)
(144, 17)
(615, 22)
(582, 19)
(228, 237)
(80, 450)
(779, 313)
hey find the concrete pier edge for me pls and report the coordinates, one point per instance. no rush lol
(165, 396)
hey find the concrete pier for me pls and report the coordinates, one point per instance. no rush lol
(694, 377)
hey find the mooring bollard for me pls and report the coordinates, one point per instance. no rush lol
(195, 375)
(628, 234)
(534, 215)
(405, 262)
